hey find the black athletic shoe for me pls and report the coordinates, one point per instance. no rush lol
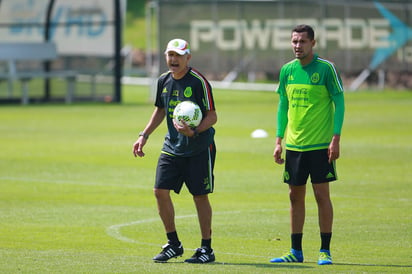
(169, 251)
(202, 255)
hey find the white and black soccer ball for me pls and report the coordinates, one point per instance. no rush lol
(189, 112)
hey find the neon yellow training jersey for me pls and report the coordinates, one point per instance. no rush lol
(310, 109)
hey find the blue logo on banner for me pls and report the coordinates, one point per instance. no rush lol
(84, 21)
(397, 39)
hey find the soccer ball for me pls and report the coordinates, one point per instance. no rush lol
(189, 112)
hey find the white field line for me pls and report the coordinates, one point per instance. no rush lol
(114, 231)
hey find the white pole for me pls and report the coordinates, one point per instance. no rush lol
(358, 81)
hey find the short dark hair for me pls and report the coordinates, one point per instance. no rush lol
(305, 28)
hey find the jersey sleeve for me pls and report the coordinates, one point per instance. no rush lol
(339, 102)
(206, 88)
(335, 87)
(160, 85)
(282, 118)
(282, 81)
(334, 82)
(210, 102)
(283, 106)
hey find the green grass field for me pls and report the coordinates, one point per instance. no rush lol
(73, 199)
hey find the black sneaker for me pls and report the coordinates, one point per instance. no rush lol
(169, 251)
(202, 255)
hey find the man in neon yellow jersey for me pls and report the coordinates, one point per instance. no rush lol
(311, 111)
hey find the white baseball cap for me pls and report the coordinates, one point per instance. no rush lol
(179, 46)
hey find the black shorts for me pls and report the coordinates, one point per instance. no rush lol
(196, 172)
(299, 165)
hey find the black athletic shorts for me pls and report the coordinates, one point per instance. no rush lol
(196, 172)
(300, 165)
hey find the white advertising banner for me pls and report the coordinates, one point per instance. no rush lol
(78, 27)
(255, 35)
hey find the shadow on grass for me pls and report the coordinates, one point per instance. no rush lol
(259, 265)
(268, 265)
(305, 265)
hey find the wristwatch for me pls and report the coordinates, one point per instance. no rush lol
(196, 133)
(146, 136)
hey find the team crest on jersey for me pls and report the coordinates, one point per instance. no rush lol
(315, 77)
(188, 92)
